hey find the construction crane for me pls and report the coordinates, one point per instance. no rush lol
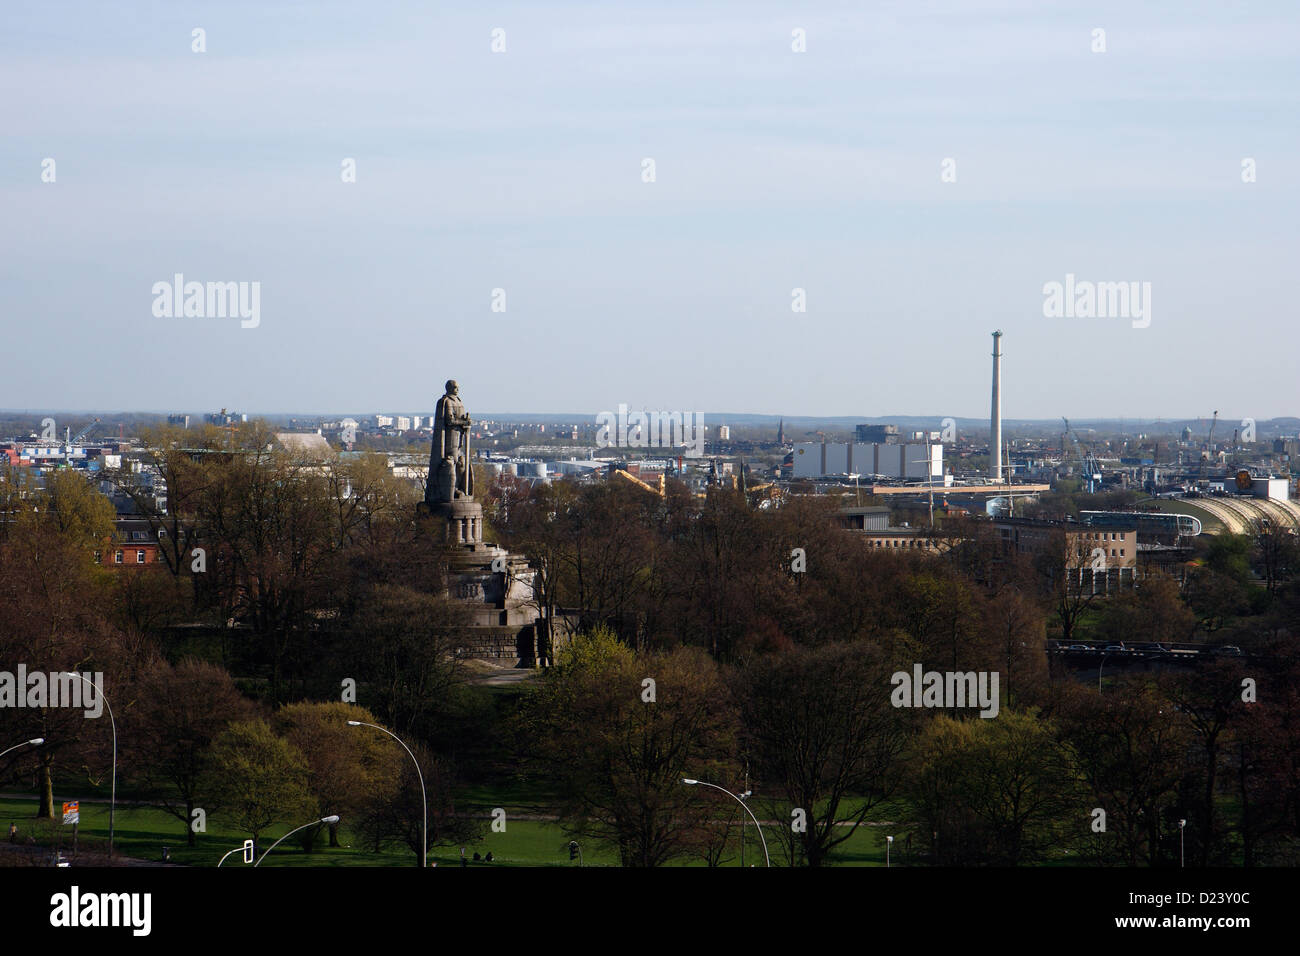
(658, 488)
(1089, 467)
(81, 434)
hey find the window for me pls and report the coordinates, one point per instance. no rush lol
(99, 556)
(139, 557)
(117, 557)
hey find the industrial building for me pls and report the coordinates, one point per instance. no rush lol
(921, 462)
(878, 434)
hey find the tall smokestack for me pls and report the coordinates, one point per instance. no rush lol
(995, 416)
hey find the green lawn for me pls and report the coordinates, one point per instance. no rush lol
(143, 832)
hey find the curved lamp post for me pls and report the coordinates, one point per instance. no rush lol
(245, 848)
(112, 803)
(330, 819)
(424, 797)
(34, 742)
(745, 795)
(700, 783)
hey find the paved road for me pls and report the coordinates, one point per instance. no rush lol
(495, 675)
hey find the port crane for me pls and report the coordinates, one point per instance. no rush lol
(1089, 467)
(80, 435)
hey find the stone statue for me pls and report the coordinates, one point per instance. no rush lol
(450, 474)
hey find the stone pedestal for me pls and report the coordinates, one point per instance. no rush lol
(464, 518)
(495, 585)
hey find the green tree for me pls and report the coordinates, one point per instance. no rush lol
(403, 644)
(1000, 791)
(350, 768)
(1130, 745)
(396, 813)
(179, 712)
(78, 512)
(617, 757)
(53, 605)
(820, 729)
(259, 779)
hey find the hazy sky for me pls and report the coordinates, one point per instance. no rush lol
(774, 170)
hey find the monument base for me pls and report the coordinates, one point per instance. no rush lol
(464, 517)
(494, 585)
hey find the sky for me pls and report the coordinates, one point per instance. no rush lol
(774, 170)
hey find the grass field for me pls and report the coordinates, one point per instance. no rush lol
(143, 832)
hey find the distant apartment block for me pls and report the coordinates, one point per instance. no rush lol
(224, 417)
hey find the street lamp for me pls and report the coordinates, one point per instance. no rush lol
(424, 832)
(700, 783)
(247, 849)
(1182, 856)
(112, 803)
(1099, 667)
(888, 843)
(34, 742)
(330, 820)
(743, 797)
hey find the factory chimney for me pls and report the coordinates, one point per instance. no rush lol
(995, 416)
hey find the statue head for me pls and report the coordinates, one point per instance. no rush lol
(452, 387)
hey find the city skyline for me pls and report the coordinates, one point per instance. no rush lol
(921, 174)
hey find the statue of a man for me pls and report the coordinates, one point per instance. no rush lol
(450, 475)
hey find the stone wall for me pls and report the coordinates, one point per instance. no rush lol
(514, 646)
